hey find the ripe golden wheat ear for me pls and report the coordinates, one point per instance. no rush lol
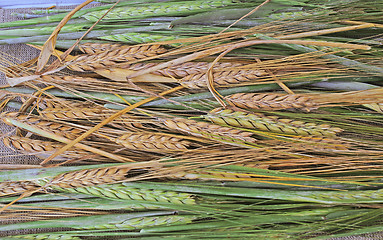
(106, 175)
(277, 101)
(60, 129)
(43, 149)
(210, 131)
(152, 142)
(17, 187)
(223, 78)
(271, 101)
(184, 69)
(113, 55)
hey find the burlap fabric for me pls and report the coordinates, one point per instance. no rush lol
(22, 52)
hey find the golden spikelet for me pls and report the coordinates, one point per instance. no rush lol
(271, 101)
(210, 131)
(184, 69)
(276, 101)
(67, 113)
(113, 56)
(89, 177)
(53, 127)
(95, 48)
(152, 142)
(18, 187)
(224, 78)
(42, 149)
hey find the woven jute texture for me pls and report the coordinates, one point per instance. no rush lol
(22, 52)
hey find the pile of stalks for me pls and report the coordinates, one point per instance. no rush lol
(268, 127)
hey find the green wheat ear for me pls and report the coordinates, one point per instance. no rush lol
(45, 237)
(139, 38)
(143, 222)
(275, 124)
(159, 9)
(119, 191)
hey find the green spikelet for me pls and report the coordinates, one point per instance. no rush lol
(333, 197)
(142, 222)
(138, 38)
(298, 15)
(160, 9)
(46, 237)
(269, 123)
(119, 191)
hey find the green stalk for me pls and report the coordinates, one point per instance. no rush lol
(47, 201)
(374, 232)
(68, 28)
(344, 86)
(127, 221)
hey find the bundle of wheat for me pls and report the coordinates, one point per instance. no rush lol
(193, 132)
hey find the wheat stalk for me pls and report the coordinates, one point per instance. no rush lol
(269, 123)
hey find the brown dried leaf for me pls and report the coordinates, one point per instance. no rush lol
(50, 44)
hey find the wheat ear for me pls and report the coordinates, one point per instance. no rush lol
(113, 56)
(89, 177)
(275, 101)
(56, 128)
(222, 78)
(210, 131)
(269, 123)
(141, 222)
(271, 101)
(42, 149)
(18, 187)
(152, 142)
(44, 237)
(119, 191)
(184, 69)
